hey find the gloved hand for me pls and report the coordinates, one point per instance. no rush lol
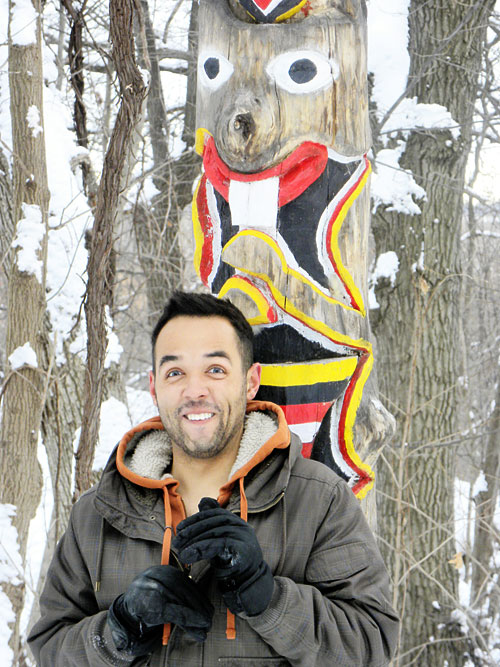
(161, 594)
(243, 577)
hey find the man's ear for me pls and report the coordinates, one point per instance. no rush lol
(253, 380)
(152, 389)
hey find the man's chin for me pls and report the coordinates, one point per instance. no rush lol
(201, 450)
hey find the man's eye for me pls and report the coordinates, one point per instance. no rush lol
(216, 370)
(173, 373)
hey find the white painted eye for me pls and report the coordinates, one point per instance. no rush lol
(302, 71)
(213, 69)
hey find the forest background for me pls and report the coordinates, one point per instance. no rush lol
(96, 180)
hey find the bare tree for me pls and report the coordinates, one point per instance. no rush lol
(418, 329)
(100, 270)
(25, 384)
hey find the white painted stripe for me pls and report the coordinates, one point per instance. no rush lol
(306, 432)
(254, 205)
(216, 227)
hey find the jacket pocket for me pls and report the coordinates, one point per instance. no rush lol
(338, 562)
(253, 662)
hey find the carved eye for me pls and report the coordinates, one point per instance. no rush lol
(213, 69)
(302, 71)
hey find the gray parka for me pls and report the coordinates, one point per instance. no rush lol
(330, 605)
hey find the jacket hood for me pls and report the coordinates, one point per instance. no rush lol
(144, 454)
(117, 502)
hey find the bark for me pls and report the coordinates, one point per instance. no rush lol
(76, 67)
(418, 333)
(24, 389)
(484, 581)
(6, 215)
(100, 267)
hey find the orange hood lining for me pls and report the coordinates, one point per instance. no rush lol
(280, 440)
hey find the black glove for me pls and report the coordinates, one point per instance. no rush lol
(243, 577)
(161, 594)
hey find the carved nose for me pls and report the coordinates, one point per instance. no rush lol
(244, 124)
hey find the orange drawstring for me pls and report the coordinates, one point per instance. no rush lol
(243, 502)
(165, 555)
(165, 551)
(231, 620)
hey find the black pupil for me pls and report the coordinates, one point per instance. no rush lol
(211, 67)
(302, 71)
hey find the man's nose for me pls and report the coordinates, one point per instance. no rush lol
(196, 386)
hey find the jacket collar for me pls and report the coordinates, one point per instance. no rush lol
(264, 465)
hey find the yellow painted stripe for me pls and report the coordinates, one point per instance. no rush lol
(284, 266)
(292, 375)
(349, 425)
(334, 244)
(201, 138)
(290, 12)
(255, 294)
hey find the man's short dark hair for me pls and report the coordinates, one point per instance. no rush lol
(206, 305)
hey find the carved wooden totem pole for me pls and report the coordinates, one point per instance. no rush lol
(281, 212)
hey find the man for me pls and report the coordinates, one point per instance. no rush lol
(210, 540)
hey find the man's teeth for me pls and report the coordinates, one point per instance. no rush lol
(199, 417)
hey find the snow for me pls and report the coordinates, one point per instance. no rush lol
(388, 57)
(409, 114)
(33, 118)
(29, 236)
(388, 61)
(480, 484)
(115, 422)
(10, 568)
(116, 418)
(23, 23)
(419, 264)
(393, 186)
(386, 266)
(114, 349)
(37, 537)
(24, 355)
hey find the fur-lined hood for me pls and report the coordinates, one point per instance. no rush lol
(149, 454)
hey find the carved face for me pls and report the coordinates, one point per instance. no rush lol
(265, 89)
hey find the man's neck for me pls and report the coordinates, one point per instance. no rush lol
(199, 478)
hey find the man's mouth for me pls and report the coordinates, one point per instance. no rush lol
(197, 417)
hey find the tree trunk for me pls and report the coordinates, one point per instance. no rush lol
(483, 578)
(100, 269)
(418, 331)
(24, 388)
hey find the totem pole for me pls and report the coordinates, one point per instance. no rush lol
(281, 212)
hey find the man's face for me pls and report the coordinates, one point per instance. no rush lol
(199, 385)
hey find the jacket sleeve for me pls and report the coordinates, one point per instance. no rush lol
(341, 616)
(72, 631)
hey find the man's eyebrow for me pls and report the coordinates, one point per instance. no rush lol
(218, 353)
(166, 358)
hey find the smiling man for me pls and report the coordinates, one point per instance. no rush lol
(209, 539)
